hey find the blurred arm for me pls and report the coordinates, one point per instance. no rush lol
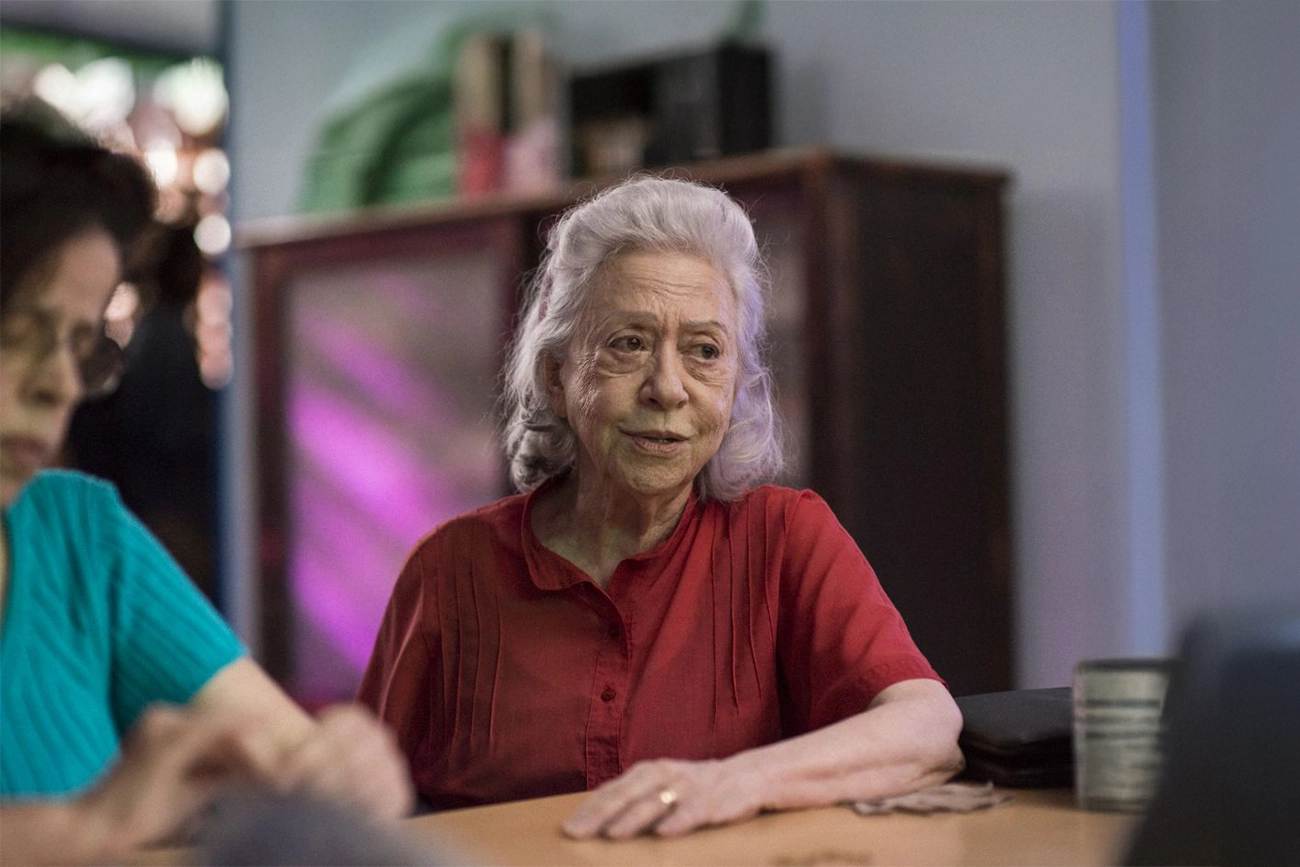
(170, 767)
(345, 754)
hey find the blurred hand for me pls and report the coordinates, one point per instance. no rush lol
(171, 766)
(668, 798)
(352, 758)
(345, 755)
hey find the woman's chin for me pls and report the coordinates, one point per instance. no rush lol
(656, 483)
(10, 488)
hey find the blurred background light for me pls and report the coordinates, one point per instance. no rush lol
(196, 95)
(213, 234)
(211, 171)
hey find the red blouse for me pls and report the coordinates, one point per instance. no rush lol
(507, 673)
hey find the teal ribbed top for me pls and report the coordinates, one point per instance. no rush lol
(99, 622)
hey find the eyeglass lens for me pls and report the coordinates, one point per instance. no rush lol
(100, 360)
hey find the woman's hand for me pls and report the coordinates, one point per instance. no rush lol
(175, 762)
(345, 754)
(906, 740)
(349, 756)
(668, 798)
(172, 765)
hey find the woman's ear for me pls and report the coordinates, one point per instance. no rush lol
(551, 376)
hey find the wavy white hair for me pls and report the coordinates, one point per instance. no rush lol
(646, 214)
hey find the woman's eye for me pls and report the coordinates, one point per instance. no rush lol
(707, 351)
(85, 344)
(22, 328)
(627, 343)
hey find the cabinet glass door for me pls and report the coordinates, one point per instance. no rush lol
(389, 410)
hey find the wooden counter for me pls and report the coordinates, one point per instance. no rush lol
(1037, 827)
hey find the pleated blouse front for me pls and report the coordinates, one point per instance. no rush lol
(508, 673)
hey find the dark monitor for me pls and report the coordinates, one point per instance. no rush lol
(1229, 793)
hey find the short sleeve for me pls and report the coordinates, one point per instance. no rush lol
(167, 640)
(840, 639)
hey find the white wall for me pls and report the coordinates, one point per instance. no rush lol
(1031, 86)
(1228, 138)
(1036, 88)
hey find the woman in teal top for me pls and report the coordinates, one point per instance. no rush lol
(125, 702)
(92, 597)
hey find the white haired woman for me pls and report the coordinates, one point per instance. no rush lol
(648, 619)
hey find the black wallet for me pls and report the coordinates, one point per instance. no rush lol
(1020, 738)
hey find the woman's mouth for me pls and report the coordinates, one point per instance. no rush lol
(657, 442)
(660, 436)
(24, 454)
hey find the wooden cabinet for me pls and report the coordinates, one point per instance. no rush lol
(379, 339)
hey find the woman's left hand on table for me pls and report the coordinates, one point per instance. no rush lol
(667, 798)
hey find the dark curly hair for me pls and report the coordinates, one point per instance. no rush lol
(57, 182)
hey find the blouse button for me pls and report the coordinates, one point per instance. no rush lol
(608, 694)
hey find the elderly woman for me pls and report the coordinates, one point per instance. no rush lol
(125, 701)
(648, 620)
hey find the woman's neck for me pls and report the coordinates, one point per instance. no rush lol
(596, 529)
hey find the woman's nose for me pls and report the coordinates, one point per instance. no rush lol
(55, 377)
(665, 387)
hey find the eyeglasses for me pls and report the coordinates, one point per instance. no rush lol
(35, 333)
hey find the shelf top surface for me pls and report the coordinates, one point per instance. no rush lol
(806, 164)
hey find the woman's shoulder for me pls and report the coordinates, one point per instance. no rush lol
(63, 523)
(777, 497)
(795, 512)
(494, 519)
(67, 494)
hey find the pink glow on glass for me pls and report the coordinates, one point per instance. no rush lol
(385, 380)
(362, 498)
(368, 466)
(391, 431)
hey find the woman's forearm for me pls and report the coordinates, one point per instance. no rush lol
(905, 741)
(56, 832)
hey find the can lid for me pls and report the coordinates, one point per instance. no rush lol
(1128, 663)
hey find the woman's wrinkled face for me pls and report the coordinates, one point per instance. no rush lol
(52, 324)
(649, 378)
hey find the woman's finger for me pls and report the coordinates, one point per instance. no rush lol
(645, 814)
(639, 791)
(667, 798)
(351, 757)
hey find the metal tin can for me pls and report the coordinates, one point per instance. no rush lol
(1118, 730)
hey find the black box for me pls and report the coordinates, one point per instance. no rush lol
(678, 109)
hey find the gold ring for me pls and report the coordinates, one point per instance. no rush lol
(667, 797)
